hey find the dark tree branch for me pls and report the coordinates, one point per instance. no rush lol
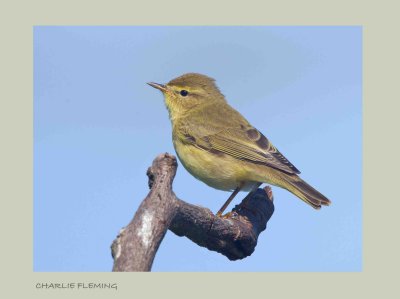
(235, 235)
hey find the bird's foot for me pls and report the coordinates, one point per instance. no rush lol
(229, 215)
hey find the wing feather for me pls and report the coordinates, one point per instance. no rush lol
(238, 139)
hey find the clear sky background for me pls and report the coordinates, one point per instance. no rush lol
(98, 126)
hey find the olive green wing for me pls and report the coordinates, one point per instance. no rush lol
(237, 139)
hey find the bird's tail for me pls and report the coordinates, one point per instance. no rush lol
(304, 191)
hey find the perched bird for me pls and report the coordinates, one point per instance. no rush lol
(218, 146)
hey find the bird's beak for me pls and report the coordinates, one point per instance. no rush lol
(161, 87)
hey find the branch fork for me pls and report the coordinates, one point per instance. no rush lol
(233, 235)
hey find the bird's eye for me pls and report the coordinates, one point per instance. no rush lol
(184, 93)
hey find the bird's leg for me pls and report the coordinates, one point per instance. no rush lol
(234, 193)
(251, 193)
(254, 189)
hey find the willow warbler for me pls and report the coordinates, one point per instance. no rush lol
(218, 146)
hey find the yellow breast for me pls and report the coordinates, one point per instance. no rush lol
(219, 171)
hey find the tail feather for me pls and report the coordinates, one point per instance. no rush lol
(305, 192)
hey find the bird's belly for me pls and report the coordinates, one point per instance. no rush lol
(216, 170)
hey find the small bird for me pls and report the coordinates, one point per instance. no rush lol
(218, 146)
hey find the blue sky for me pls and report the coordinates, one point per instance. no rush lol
(98, 126)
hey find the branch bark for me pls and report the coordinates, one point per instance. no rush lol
(234, 235)
(136, 245)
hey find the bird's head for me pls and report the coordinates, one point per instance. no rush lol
(187, 92)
